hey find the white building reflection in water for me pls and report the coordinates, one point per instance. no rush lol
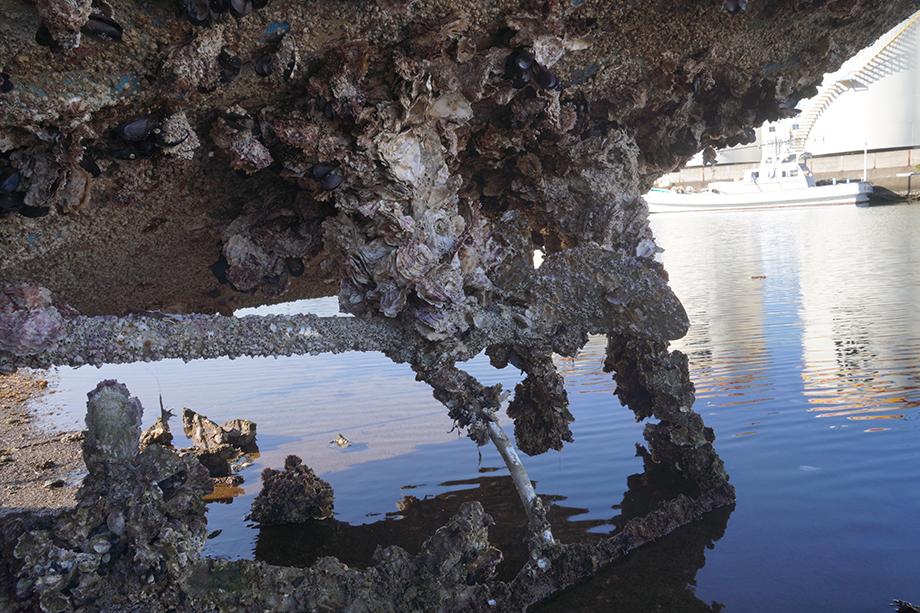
(860, 324)
(834, 289)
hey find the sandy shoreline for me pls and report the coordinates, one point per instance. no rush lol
(39, 468)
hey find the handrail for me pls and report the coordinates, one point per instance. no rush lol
(909, 175)
(830, 92)
(894, 36)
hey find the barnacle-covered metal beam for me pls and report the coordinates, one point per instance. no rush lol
(627, 297)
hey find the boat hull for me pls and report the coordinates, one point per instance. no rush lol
(660, 201)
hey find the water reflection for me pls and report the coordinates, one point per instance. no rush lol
(416, 519)
(654, 578)
(224, 494)
(837, 296)
(818, 425)
(661, 577)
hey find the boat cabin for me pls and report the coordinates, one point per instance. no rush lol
(790, 171)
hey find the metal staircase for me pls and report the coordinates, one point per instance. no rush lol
(867, 62)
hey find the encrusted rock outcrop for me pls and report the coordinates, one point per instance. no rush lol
(216, 446)
(138, 524)
(291, 496)
(206, 434)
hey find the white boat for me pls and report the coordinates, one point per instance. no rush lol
(778, 182)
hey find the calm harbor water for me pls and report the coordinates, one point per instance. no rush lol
(805, 351)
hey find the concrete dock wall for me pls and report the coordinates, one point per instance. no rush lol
(882, 169)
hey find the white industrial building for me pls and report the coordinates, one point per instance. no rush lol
(865, 118)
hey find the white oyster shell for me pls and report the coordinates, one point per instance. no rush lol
(410, 262)
(451, 106)
(403, 154)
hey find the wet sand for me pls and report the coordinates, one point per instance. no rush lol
(39, 467)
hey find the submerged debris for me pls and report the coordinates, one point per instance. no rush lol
(206, 434)
(157, 434)
(341, 441)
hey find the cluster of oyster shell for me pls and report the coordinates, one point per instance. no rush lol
(29, 323)
(139, 517)
(293, 495)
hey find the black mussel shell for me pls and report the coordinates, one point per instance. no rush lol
(230, 66)
(43, 37)
(6, 85)
(89, 165)
(289, 70)
(228, 60)
(12, 202)
(220, 268)
(218, 6)
(295, 266)
(103, 28)
(238, 122)
(34, 211)
(137, 130)
(332, 179)
(263, 65)
(145, 147)
(520, 59)
(545, 78)
(323, 105)
(521, 78)
(198, 12)
(259, 4)
(321, 170)
(240, 8)
(503, 36)
(9, 180)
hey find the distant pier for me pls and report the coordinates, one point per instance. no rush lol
(886, 169)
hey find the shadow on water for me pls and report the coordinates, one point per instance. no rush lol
(657, 577)
(665, 568)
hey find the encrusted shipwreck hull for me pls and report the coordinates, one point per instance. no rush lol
(165, 164)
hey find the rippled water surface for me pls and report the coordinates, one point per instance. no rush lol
(805, 351)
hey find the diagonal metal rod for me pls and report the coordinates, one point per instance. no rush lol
(540, 528)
